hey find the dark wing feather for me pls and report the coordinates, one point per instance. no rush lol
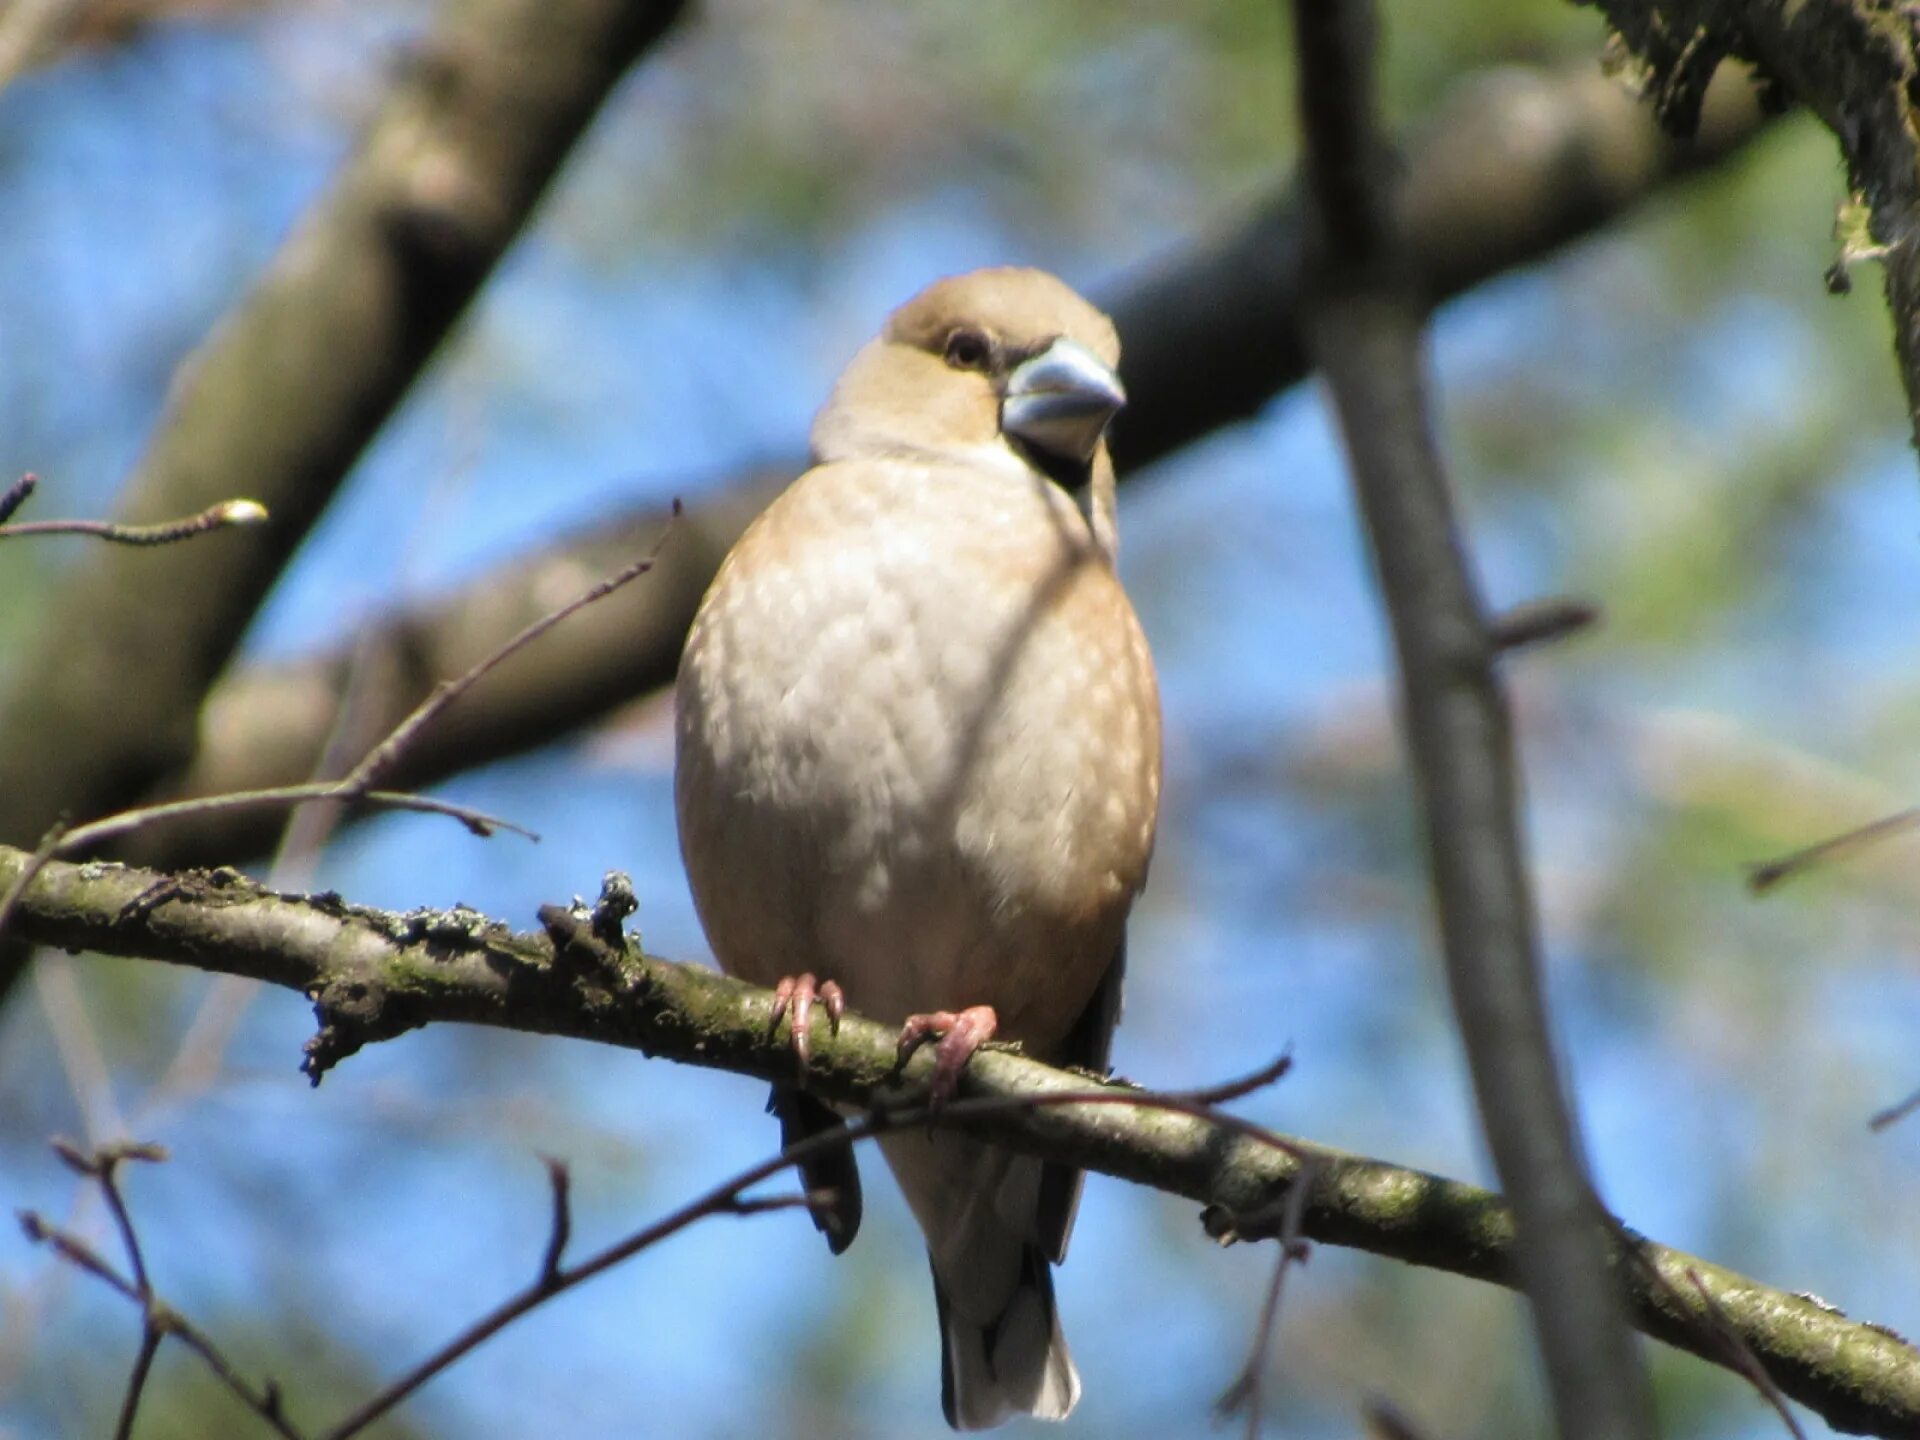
(801, 1115)
(1088, 1046)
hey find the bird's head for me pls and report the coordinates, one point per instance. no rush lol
(1004, 358)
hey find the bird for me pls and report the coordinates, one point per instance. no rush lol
(917, 771)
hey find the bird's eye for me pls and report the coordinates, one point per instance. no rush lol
(968, 350)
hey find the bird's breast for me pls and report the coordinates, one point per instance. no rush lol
(919, 745)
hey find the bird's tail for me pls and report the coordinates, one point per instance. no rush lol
(1001, 1350)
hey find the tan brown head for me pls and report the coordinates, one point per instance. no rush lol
(1006, 357)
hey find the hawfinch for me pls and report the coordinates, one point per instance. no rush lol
(918, 769)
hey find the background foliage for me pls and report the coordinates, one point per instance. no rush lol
(1674, 419)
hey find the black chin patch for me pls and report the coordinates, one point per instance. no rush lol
(1066, 472)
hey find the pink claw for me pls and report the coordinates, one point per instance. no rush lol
(797, 993)
(961, 1033)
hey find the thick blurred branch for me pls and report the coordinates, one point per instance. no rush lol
(283, 397)
(1855, 66)
(374, 974)
(1366, 336)
(1514, 164)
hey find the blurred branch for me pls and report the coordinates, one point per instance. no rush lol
(1852, 65)
(32, 32)
(287, 392)
(373, 974)
(1365, 333)
(39, 32)
(1515, 163)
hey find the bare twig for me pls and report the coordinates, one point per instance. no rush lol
(75, 1251)
(381, 758)
(150, 1338)
(94, 832)
(1539, 622)
(223, 516)
(1770, 873)
(1366, 335)
(1712, 1321)
(111, 827)
(1741, 1357)
(1894, 1114)
(36, 862)
(1385, 1421)
(1247, 1390)
(560, 1182)
(16, 495)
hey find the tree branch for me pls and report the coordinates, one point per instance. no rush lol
(373, 974)
(1366, 337)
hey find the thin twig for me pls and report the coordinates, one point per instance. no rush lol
(150, 1338)
(382, 757)
(1743, 1358)
(16, 495)
(107, 1174)
(112, 827)
(103, 1165)
(560, 1181)
(224, 516)
(1894, 1114)
(1247, 1390)
(42, 853)
(1716, 1324)
(1769, 873)
(61, 841)
(76, 1252)
(1385, 1421)
(1540, 622)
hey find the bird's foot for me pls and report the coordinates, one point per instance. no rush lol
(796, 995)
(961, 1033)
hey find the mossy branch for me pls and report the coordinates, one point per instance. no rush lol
(374, 974)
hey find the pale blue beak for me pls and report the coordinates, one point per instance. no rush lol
(1061, 400)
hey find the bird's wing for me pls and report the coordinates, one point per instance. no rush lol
(1088, 1046)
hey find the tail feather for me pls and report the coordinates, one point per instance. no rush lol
(1002, 1353)
(1016, 1364)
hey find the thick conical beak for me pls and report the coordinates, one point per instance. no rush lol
(1061, 400)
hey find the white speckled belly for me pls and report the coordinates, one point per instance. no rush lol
(919, 746)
